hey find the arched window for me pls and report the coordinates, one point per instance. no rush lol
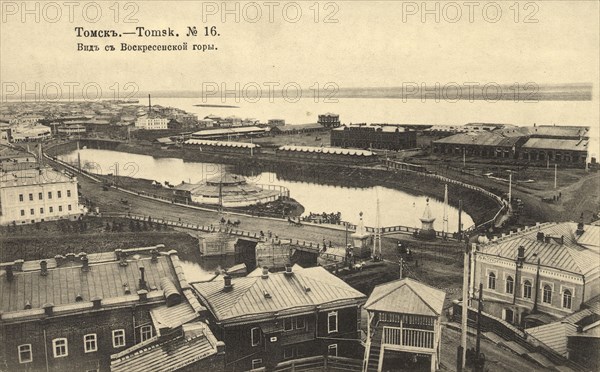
(547, 294)
(510, 285)
(527, 289)
(567, 297)
(492, 281)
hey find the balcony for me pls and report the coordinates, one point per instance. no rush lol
(408, 338)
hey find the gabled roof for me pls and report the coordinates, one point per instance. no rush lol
(302, 290)
(479, 139)
(406, 296)
(554, 335)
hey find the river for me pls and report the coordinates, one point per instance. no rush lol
(397, 207)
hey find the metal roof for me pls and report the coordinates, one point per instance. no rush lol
(172, 317)
(556, 144)
(226, 131)
(304, 289)
(590, 236)
(220, 143)
(165, 356)
(406, 296)
(554, 335)
(326, 150)
(569, 256)
(106, 279)
(479, 139)
(32, 176)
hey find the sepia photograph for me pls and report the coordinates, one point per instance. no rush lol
(309, 185)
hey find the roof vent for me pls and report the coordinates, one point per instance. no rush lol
(142, 283)
(96, 302)
(540, 236)
(265, 273)
(48, 309)
(78, 298)
(228, 286)
(9, 273)
(306, 289)
(85, 263)
(27, 305)
(43, 268)
(266, 294)
(126, 289)
(170, 292)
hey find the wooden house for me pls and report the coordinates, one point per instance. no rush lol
(403, 326)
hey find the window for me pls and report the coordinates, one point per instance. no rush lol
(300, 323)
(492, 281)
(49, 194)
(527, 289)
(567, 299)
(60, 348)
(145, 333)
(41, 210)
(256, 363)
(332, 322)
(59, 194)
(510, 285)
(25, 355)
(51, 209)
(118, 337)
(20, 197)
(68, 193)
(31, 211)
(22, 212)
(288, 324)
(547, 294)
(30, 197)
(89, 343)
(332, 350)
(40, 195)
(69, 207)
(60, 208)
(255, 336)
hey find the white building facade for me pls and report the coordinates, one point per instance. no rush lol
(152, 122)
(36, 195)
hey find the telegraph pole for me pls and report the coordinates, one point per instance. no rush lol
(462, 349)
(510, 187)
(555, 174)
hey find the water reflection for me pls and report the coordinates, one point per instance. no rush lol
(397, 207)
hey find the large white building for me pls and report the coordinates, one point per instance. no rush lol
(35, 195)
(152, 121)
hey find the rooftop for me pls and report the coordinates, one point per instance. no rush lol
(113, 277)
(32, 176)
(480, 139)
(327, 150)
(220, 143)
(568, 255)
(228, 131)
(557, 144)
(170, 355)
(256, 297)
(406, 296)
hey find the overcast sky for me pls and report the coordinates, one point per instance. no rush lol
(371, 45)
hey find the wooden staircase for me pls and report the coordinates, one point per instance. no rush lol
(372, 351)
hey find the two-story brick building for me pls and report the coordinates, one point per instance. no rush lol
(73, 312)
(374, 136)
(539, 274)
(267, 318)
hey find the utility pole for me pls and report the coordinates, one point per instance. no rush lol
(459, 218)
(479, 362)
(445, 221)
(555, 174)
(464, 157)
(401, 263)
(510, 187)
(462, 349)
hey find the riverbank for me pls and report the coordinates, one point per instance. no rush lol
(480, 207)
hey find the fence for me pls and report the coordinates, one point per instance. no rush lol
(317, 363)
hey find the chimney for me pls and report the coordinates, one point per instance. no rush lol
(9, 273)
(143, 294)
(43, 268)
(265, 273)
(288, 270)
(266, 294)
(227, 281)
(85, 263)
(520, 256)
(143, 284)
(96, 303)
(60, 260)
(580, 229)
(149, 104)
(540, 236)
(154, 255)
(71, 256)
(48, 309)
